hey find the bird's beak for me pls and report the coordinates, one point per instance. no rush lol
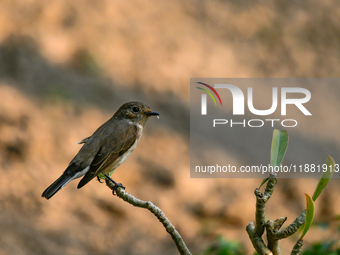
(151, 113)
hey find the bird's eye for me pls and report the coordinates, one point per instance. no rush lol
(135, 109)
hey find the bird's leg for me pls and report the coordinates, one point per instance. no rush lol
(117, 185)
(100, 181)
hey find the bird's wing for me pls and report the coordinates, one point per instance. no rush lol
(107, 154)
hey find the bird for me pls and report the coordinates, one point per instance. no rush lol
(107, 148)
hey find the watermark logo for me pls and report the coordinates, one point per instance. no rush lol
(238, 99)
(230, 119)
(204, 97)
(282, 96)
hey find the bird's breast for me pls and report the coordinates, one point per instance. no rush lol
(123, 157)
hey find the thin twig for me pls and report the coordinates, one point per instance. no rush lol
(121, 193)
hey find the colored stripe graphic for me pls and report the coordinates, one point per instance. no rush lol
(212, 90)
(206, 91)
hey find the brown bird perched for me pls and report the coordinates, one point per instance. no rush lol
(109, 146)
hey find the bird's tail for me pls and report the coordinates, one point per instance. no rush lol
(57, 185)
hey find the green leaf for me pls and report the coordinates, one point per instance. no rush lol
(326, 176)
(263, 182)
(309, 215)
(279, 147)
(101, 176)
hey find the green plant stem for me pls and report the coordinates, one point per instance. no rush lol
(297, 248)
(292, 228)
(256, 231)
(272, 227)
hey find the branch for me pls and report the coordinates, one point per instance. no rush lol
(274, 234)
(256, 231)
(272, 227)
(297, 247)
(257, 241)
(182, 248)
(292, 228)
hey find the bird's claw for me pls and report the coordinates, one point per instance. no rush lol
(100, 181)
(117, 185)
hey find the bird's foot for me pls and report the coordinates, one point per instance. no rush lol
(99, 179)
(117, 185)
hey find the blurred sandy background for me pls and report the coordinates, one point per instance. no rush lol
(65, 67)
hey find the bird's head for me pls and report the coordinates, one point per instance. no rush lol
(136, 112)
